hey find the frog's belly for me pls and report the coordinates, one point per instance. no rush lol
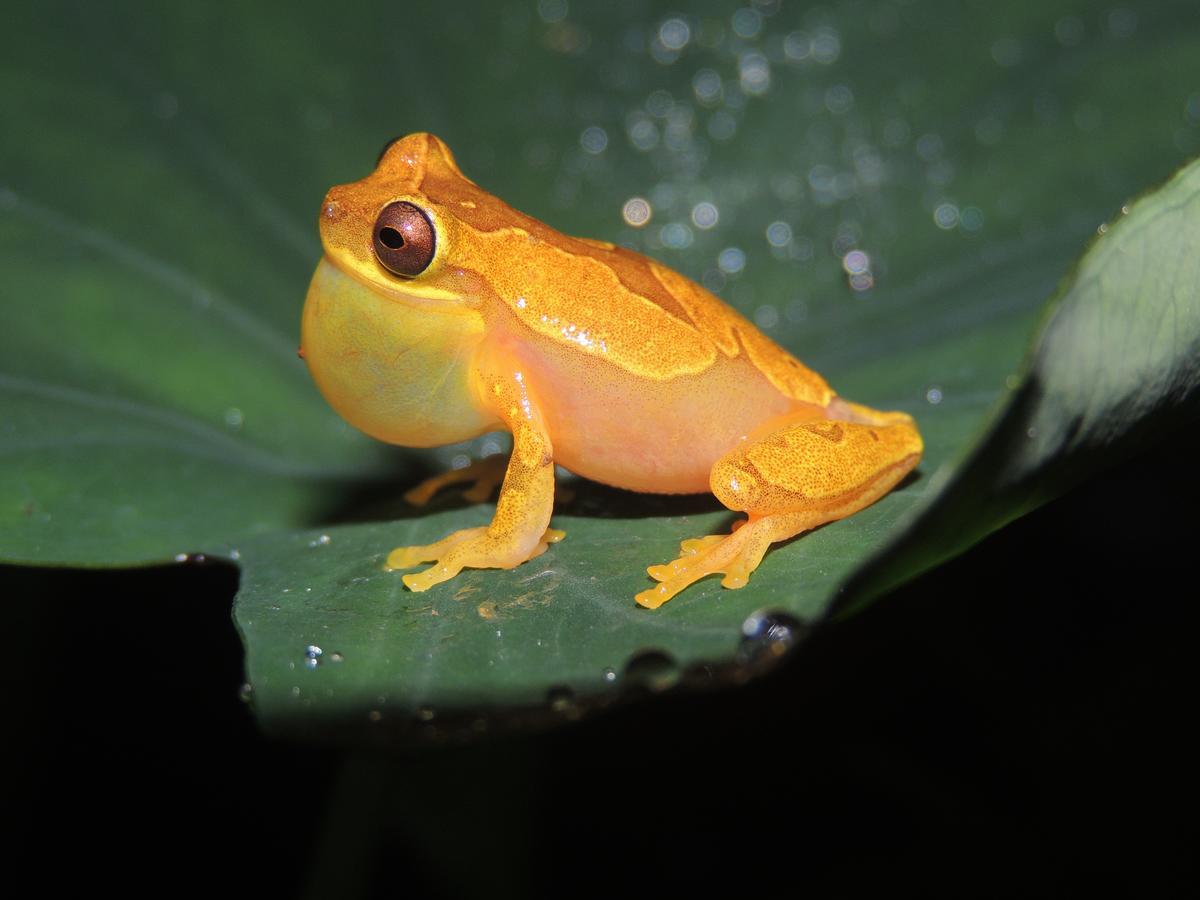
(653, 436)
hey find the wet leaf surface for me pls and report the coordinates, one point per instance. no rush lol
(897, 191)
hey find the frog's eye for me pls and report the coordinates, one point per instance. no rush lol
(404, 239)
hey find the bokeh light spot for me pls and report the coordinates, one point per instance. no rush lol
(636, 211)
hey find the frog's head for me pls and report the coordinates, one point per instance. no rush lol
(394, 306)
(406, 230)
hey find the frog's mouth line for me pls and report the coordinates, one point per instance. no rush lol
(426, 298)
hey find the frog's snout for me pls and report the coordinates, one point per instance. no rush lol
(332, 209)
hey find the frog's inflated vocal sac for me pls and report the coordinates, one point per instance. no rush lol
(439, 313)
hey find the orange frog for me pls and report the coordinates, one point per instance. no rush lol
(439, 313)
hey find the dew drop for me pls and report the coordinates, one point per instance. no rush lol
(839, 99)
(754, 73)
(705, 215)
(731, 260)
(653, 669)
(779, 234)
(722, 126)
(797, 46)
(946, 216)
(861, 282)
(676, 236)
(766, 316)
(856, 262)
(562, 700)
(610, 674)
(594, 139)
(636, 212)
(769, 635)
(826, 46)
(707, 86)
(746, 22)
(674, 34)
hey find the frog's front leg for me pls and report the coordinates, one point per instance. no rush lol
(806, 473)
(519, 530)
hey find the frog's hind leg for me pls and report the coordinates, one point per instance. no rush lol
(804, 474)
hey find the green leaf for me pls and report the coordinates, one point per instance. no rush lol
(1116, 365)
(155, 239)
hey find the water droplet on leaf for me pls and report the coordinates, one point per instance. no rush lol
(654, 669)
(769, 635)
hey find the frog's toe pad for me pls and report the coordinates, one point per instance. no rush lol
(733, 555)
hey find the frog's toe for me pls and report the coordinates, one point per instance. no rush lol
(688, 551)
(697, 545)
(483, 476)
(736, 576)
(407, 557)
(552, 536)
(423, 581)
(734, 556)
(422, 493)
(471, 548)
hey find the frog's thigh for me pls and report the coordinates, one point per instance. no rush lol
(803, 475)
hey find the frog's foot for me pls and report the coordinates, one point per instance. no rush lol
(808, 472)
(473, 548)
(733, 555)
(484, 474)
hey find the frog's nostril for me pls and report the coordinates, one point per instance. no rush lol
(331, 211)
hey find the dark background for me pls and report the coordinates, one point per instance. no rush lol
(1012, 723)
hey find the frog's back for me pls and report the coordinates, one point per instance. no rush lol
(607, 301)
(650, 320)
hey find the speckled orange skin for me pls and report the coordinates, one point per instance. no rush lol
(594, 357)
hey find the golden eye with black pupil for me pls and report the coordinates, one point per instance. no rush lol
(404, 239)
